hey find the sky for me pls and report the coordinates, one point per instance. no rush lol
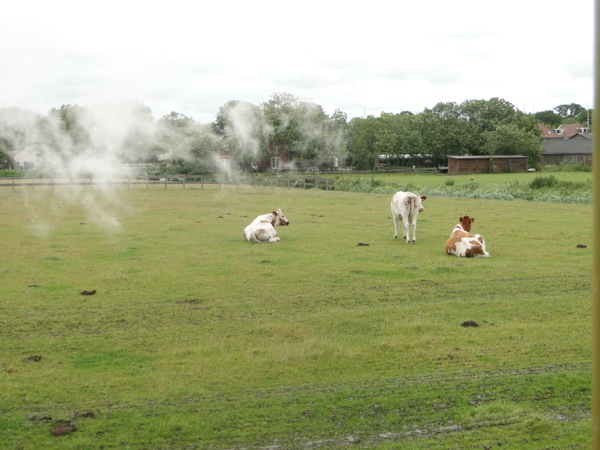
(362, 58)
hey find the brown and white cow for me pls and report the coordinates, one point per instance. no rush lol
(262, 229)
(406, 206)
(462, 243)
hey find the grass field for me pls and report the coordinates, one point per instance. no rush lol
(198, 339)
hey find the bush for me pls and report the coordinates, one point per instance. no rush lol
(543, 182)
(567, 167)
(7, 173)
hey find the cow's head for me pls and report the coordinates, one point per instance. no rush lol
(420, 203)
(465, 222)
(279, 218)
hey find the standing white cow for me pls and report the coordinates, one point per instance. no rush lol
(406, 205)
(262, 229)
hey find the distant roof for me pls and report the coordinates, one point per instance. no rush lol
(571, 129)
(548, 133)
(563, 131)
(581, 135)
(568, 147)
(487, 156)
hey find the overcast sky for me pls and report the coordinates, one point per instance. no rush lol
(361, 57)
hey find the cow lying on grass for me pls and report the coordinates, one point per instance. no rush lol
(406, 206)
(462, 243)
(262, 229)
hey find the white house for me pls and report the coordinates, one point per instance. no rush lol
(27, 158)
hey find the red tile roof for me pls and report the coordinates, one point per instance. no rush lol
(548, 133)
(570, 129)
(565, 131)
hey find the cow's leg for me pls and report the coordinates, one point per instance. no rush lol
(273, 237)
(414, 231)
(406, 229)
(395, 219)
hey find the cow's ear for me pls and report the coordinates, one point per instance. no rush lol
(460, 219)
(274, 213)
(423, 197)
(472, 219)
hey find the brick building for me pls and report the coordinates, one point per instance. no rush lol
(485, 164)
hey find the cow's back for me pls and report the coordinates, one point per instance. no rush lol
(403, 203)
(466, 245)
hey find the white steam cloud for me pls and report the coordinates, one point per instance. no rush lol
(91, 143)
(101, 144)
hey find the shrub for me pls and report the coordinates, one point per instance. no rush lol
(543, 182)
(7, 173)
(471, 186)
(567, 167)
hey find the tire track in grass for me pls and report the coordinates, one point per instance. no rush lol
(365, 413)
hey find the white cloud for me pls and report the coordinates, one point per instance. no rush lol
(362, 58)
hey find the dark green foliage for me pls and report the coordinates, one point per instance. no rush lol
(543, 182)
(10, 174)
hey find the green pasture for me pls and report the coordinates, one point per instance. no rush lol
(547, 186)
(195, 338)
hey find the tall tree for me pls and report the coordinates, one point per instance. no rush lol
(244, 131)
(443, 132)
(569, 111)
(548, 118)
(361, 142)
(509, 139)
(304, 130)
(186, 145)
(279, 112)
(399, 138)
(6, 147)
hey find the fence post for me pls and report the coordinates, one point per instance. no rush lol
(52, 184)
(184, 183)
(13, 185)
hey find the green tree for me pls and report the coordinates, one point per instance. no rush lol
(69, 119)
(279, 113)
(361, 142)
(304, 131)
(399, 138)
(6, 147)
(509, 139)
(184, 145)
(22, 129)
(585, 118)
(443, 131)
(548, 118)
(244, 133)
(569, 111)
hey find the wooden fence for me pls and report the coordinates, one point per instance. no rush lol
(269, 180)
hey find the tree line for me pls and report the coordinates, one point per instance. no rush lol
(249, 136)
